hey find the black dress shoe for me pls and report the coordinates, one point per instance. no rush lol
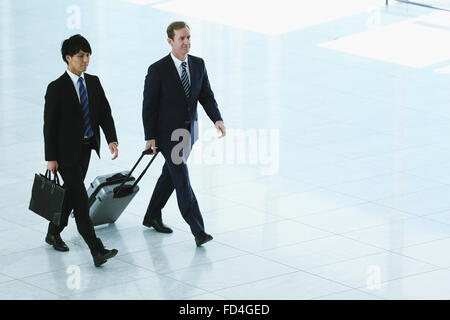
(57, 242)
(158, 225)
(102, 256)
(202, 238)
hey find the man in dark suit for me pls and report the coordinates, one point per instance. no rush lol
(173, 86)
(75, 107)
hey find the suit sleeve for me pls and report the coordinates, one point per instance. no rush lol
(51, 123)
(150, 105)
(207, 100)
(106, 119)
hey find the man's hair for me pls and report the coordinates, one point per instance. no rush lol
(73, 45)
(175, 26)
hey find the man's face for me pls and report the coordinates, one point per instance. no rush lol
(181, 42)
(78, 63)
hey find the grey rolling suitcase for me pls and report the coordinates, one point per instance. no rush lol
(110, 194)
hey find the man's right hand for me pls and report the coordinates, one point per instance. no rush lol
(151, 144)
(52, 166)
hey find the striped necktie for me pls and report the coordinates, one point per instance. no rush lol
(85, 108)
(185, 80)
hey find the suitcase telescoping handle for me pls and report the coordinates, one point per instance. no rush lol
(120, 191)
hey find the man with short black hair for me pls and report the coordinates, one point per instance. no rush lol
(173, 87)
(75, 108)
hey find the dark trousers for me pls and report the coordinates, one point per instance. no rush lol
(175, 176)
(77, 200)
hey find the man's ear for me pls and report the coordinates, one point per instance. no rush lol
(68, 58)
(170, 41)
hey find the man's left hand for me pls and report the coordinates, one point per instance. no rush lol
(114, 150)
(221, 128)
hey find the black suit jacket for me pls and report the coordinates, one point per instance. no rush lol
(166, 107)
(63, 122)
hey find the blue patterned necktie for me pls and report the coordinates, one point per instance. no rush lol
(185, 80)
(85, 109)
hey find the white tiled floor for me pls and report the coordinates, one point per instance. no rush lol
(344, 194)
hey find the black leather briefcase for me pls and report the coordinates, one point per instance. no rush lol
(47, 197)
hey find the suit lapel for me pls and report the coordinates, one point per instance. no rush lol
(192, 76)
(71, 89)
(90, 93)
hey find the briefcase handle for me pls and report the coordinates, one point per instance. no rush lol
(55, 182)
(55, 178)
(128, 189)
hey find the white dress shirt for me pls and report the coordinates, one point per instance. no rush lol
(179, 67)
(75, 78)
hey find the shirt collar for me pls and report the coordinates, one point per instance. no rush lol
(73, 76)
(178, 61)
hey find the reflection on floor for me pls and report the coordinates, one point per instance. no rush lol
(332, 183)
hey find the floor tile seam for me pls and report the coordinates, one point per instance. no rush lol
(272, 248)
(127, 229)
(89, 290)
(243, 254)
(311, 187)
(435, 180)
(205, 189)
(43, 246)
(252, 226)
(360, 288)
(282, 219)
(37, 287)
(110, 286)
(373, 98)
(377, 175)
(359, 291)
(121, 283)
(332, 234)
(351, 206)
(237, 203)
(206, 291)
(165, 273)
(421, 243)
(391, 249)
(434, 267)
(404, 211)
(156, 247)
(277, 215)
(329, 235)
(28, 212)
(311, 269)
(387, 282)
(427, 217)
(360, 229)
(197, 295)
(368, 256)
(384, 197)
(214, 291)
(386, 152)
(159, 245)
(414, 215)
(324, 211)
(59, 269)
(415, 259)
(298, 271)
